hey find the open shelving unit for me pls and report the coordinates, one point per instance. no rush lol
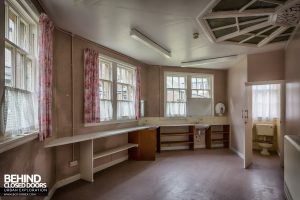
(114, 150)
(217, 136)
(140, 146)
(162, 137)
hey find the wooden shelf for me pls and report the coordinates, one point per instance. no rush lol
(176, 142)
(114, 150)
(188, 133)
(221, 133)
(176, 134)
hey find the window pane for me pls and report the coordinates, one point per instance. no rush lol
(175, 82)
(105, 110)
(105, 70)
(119, 92)
(194, 94)
(182, 95)
(205, 83)
(194, 83)
(12, 26)
(20, 71)
(101, 89)
(170, 96)
(8, 67)
(176, 95)
(200, 93)
(23, 32)
(182, 82)
(125, 92)
(28, 75)
(130, 93)
(169, 81)
(206, 94)
(107, 90)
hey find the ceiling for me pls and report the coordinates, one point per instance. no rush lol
(250, 22)
(170, 23)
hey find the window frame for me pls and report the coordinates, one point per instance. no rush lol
(133, 87)
(111, 82)
(189, 89)
(115, 63)
(176, 74)
(27, 15)
(210, 84)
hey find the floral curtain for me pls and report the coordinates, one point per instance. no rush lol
(91, 87)
(46, 28)
(138, 93)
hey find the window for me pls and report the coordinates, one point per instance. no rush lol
(188, 94)
(201, 87)
(125, 92)
(105, 90)
(176, 96)
(117, 90)
(266, 102)
(20, 111)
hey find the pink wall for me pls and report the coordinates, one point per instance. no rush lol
(266, 66)
(64, 55)
(292, 76)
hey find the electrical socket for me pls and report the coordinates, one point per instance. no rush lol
(73, 163)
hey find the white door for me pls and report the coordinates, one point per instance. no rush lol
(247, 116)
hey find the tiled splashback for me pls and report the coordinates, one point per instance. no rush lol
(212, 120)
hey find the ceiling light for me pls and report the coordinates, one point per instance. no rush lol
(150, 43)
(208, 61)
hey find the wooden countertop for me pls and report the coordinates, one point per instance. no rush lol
(91, 136)
(174, 125)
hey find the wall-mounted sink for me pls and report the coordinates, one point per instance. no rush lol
(201, 126)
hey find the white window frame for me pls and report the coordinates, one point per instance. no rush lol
(133, 87)
(27, 15)
(111, 81)
(210, 84)
(115, 64)
(166, 89)
(29, 18)
(189, 77)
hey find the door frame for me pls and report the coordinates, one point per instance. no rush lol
(247, 156)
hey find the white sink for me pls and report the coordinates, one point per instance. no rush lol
(201, 126)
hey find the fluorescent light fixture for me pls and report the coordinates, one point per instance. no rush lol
(150, 43)
(208, 61)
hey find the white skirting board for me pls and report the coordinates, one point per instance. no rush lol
(76, 177)
(238, 153)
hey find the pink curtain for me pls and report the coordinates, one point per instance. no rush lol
(46, 28)
(138, 93)
(91, 87)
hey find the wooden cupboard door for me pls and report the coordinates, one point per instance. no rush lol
(146, 140)
(147, 144)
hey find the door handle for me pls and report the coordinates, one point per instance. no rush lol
(246, 114)
(242, 114)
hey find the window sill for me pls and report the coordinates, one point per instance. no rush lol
(7, 143)
(110, 122)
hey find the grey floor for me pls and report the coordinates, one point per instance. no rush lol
(184, 175)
